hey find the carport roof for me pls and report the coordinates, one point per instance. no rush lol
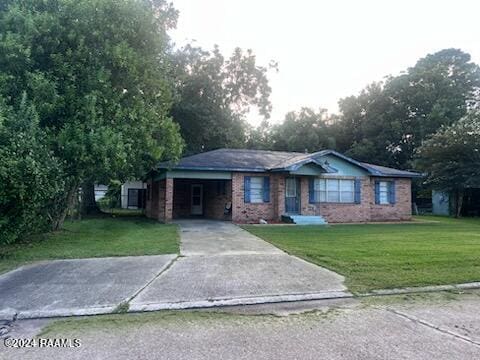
(264, 160)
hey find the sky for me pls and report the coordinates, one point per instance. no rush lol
(328, 50)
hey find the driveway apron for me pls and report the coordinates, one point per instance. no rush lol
(222, 264)
(76, 287)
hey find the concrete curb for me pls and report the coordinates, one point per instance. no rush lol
(8, 314)
(38, 314)
(422, 289)
(255, 300)
(11, 314)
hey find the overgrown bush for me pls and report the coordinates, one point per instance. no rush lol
(31, 177)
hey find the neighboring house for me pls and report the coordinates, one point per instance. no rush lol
(100, 191)
(440, 203)
(133, 194)
(443, 203)
(245, 186)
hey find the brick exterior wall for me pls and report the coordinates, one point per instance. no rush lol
(401, 210)
(159, 204)
(214, 202)
(366, 211)
(252, 212)
(171, 199)
(340, 212)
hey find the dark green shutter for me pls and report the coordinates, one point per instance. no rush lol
(266, 189)
(358, 194)
(377, 192)
(391, 192)
(311, 190)
(246, 192)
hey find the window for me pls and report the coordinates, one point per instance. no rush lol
(383, 189)
(132, 197)
(320, 190)
(334, 190)
(347, 191)
(256, 189)
(384, 192)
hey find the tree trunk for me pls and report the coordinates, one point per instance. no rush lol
(460, 195)
(57, 223)
(89, 205)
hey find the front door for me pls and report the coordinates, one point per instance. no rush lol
(197, 199)
(292, 196)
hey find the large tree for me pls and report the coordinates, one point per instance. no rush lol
(214, 94)
(304, 130)
(388, 121)
(451, 158)
(96, 72)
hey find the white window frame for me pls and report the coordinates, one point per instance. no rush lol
(321, 191)
(257, 189)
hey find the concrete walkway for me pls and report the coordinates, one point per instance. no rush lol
(223, 264)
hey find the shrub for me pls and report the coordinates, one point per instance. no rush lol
(31, 177)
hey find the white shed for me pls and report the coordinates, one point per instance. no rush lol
(133, 194)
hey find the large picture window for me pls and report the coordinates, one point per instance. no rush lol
(334, 190)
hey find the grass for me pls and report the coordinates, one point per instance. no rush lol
(94, 237)
(114, 322)
(379, 256)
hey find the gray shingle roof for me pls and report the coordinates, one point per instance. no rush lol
(233, 159)
(263, 160)
(386, 171)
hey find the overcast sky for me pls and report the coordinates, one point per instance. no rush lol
(327, 50)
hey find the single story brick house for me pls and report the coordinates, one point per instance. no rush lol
(246, 186)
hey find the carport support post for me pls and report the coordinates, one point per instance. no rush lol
(168, 200)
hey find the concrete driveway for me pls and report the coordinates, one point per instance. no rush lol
(76, 287)
(220, 264)
(223, 264)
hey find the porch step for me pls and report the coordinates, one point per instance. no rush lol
(304, 219)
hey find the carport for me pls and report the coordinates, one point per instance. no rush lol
(211, 199)
(189, 194)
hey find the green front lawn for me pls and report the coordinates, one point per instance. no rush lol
(95, 237)
(379, 256)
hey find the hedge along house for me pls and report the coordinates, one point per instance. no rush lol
(245, 186)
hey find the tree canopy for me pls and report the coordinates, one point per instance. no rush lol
(389, 120)
(305, 130)
(214, 94)
(97, 73)
(451, 157)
